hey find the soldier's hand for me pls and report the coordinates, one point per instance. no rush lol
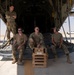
(19, 47)
(14, 17)
(7, 16)
(38, 46)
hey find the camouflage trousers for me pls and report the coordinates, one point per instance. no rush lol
(20, 51)
(33, 44)
(53, 47)
(11, 27)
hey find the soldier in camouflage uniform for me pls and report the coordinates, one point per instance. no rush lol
(57, 40)
(36, 39)
(11, 25)
(19, 44)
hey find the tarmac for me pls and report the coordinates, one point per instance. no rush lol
(60, 67)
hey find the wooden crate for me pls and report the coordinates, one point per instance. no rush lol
(39, 60)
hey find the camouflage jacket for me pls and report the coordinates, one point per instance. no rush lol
(9, 16)
(37, 38)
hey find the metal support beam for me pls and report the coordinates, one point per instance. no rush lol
(69, 20)
(69, 26)
(2, 9)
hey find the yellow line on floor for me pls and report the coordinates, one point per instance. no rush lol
(28, 67)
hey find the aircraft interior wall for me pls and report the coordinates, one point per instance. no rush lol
(33, 14)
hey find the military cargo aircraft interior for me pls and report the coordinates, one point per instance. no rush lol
(31, 13)
(48, 59)
(42, 13)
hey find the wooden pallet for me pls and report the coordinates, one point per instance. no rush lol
(39, 60)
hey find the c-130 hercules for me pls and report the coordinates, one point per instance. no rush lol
(45, 14)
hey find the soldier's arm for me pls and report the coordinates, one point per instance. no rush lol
(7, 16)
(25, 40)
(31, 36)
(14, 39)
(14, 16)
(53, 40)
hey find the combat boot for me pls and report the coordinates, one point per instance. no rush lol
(68, 59)
(20, 62)
(14, 61)
(55, 57)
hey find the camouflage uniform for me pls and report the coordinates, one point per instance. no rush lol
(11, 25)
(34, 40)
(19, 41)
(57, 38)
